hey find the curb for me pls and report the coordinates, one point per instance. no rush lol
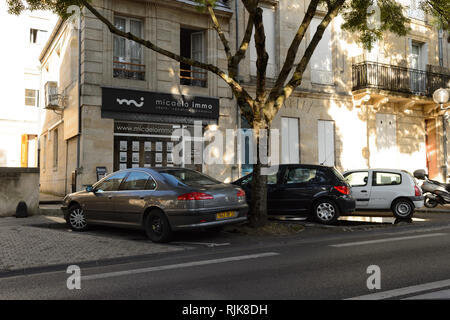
(84, 264)
(433, 210)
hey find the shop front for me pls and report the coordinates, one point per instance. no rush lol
(153, 129)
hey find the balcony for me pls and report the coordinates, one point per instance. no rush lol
(127, 70)
(195, 77)
(366, 75)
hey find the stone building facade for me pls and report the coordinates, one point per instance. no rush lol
(118, 104)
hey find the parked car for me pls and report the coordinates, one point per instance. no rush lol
(298, 189)
(158, 200)
(386, 189)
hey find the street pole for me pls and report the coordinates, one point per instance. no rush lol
(444, 129)
(441, 97)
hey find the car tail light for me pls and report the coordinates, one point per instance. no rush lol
(343, 189)
(418, 193)
(195, 196)
(240, 194)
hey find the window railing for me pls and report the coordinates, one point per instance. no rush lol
(193, 77)
(397, 79)
(128, 70)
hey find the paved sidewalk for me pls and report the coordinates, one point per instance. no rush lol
(439, 208)
(29, 243)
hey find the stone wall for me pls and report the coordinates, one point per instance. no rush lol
(16, 185)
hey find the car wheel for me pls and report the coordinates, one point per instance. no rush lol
(403, 209)
(157, 227)
(76, 219)
(326, 212)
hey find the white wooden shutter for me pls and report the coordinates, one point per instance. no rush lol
(289, 141)
(326, 142)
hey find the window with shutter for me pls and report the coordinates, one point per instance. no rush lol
(192, 45)
(128, 61)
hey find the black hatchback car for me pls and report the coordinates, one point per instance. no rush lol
(301, 189)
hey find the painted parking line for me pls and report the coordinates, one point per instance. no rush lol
(359, 243)
(207, 244)
(178, 266)
(404, 291)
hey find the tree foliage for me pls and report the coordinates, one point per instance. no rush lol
(440, 10)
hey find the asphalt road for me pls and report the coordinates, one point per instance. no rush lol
(414, 262)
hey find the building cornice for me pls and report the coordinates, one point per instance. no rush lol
(50, 40)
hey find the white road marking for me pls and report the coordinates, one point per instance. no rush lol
(177, 266)
(404, 291)
(442, 294)
(358, 243)
(208, 244)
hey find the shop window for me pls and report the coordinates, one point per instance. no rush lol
(128, 60)
(192, 45)
(31, 97)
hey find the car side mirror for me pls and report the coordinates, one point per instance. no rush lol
(90, 189)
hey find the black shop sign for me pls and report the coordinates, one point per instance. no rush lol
(122, 100)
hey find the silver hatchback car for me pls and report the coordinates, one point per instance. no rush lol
(158, 200)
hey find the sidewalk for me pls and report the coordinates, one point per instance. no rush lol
(439, 208)
(42, 241)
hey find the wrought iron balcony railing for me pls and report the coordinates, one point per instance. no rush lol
(397, 79)
(128, 70)
(195, 77)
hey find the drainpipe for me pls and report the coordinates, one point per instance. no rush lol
(441, 51)
(238, 114)
(79, 98)
(444, 132)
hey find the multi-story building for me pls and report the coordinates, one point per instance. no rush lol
(23, 39)
(118, 103)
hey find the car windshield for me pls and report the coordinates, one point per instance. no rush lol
(188, 177)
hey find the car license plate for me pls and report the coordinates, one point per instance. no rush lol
(225, 215)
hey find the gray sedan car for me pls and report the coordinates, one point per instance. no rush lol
(158, 200)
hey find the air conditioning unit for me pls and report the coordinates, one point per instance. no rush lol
(53, 100)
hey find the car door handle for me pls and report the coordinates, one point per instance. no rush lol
(142, 197)
(109, 197)
(365, 191)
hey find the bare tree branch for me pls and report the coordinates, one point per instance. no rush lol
(262, 55)
(272, 107)
(240, 53)
(293, 49)
(219, 30)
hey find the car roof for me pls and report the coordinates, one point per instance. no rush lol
(378, 169)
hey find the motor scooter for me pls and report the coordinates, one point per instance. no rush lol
(435, 192)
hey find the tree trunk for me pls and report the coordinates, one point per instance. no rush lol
(258, 213)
